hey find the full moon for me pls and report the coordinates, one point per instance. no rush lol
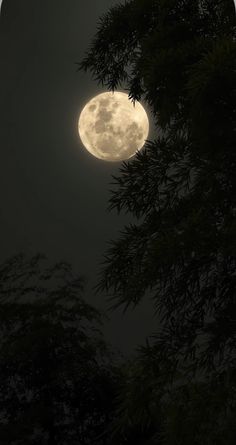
(112, 128)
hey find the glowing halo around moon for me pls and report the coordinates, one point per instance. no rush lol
(111, 128)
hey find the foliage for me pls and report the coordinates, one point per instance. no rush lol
(182, 186)
(152, 410)
(202, 410)
(56, 380)
(180, 58)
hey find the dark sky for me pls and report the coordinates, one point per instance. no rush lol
(53, 193)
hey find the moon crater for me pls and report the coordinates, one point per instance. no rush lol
(112, 128)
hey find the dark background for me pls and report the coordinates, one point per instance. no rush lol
(53, 193)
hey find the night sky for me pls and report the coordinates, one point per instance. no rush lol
(54, 194)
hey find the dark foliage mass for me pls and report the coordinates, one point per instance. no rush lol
(56, 380)
(179, 57)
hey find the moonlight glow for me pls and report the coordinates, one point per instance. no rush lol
(112, 128)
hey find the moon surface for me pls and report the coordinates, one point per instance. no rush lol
(112, 128)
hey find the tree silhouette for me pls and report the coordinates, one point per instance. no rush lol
(56, 375)
(182, 185)
(180, 57)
